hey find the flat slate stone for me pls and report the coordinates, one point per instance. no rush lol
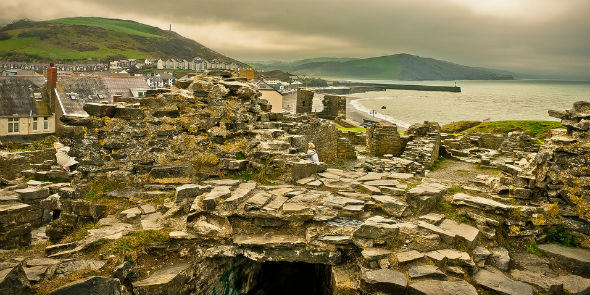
(575, 259)
(257, 201)
(498, 282)
(575, 285)
(434, 218)
(408, 256)
(168, 280)
(479, 202)
(190, 192)
(383, 280)
(371, 254)
(383, 182)
(425, 271)
(96, 285)
(213, 197)
(436, 287)
(377, 227)
(239, 194)
(466, 232)
(445, 235)
(32, 193)
(546, 285)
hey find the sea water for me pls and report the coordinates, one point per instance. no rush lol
(478, 100)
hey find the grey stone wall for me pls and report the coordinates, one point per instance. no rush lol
(304, 101)
(383, 138)
(334, 107)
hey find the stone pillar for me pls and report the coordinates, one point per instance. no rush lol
(304, 100)
(334, 106)
(382, 138)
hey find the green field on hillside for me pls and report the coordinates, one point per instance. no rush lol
(117, 25)
(93, 39)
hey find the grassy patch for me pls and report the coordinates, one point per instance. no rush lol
(536, 129)
(458, 218)
(79, 233)
(99, 187)
(47, 142)
(96, 194)
(117, 25)
(132, 245)
(561, 235)
(460, 126)
(354, 129)
(455, 189)
(437, 164)
(533, 249)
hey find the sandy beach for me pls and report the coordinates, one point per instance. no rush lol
(352, 113)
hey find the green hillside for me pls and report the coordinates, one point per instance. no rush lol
(94, 39)
(391, 67)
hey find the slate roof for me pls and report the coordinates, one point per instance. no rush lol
(17, 96)
(74, 92)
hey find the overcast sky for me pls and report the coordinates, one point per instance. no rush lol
(532, 36)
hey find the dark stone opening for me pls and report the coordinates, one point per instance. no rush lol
(295, 278)
(55, 214)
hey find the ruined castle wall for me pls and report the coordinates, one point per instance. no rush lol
(383, 138)
(334, 107)
(304, 101)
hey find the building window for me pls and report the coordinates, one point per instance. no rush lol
(45, 123)
(13, 125)
(35, 120)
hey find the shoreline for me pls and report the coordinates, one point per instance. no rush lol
(357, 113)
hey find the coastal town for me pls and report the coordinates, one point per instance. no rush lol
(432, 147)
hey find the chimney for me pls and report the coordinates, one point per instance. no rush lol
(51, 77)
(51, 85)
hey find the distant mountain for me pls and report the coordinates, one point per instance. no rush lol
(392, 67)
(95, 39)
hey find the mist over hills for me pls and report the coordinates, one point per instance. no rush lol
(391, 67)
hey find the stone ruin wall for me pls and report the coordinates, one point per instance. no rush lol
(304, 101)
(383, 138)
(334, 107)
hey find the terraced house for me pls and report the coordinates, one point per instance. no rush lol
(25, 112)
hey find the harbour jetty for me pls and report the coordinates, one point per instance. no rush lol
(358, 87)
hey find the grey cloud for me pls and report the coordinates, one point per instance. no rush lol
(552, 38)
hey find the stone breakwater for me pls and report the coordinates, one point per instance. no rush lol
(200, 190)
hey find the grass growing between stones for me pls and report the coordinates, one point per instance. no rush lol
(450, 212)
(45, 143)
(79, 233)
(96, 194)
(561, 235)
(133, 244)
(98, 188)
(438, 164)
(533, 249)
(455, 189)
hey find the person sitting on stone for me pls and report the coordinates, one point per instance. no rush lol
(64, 160)
(313, 155)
